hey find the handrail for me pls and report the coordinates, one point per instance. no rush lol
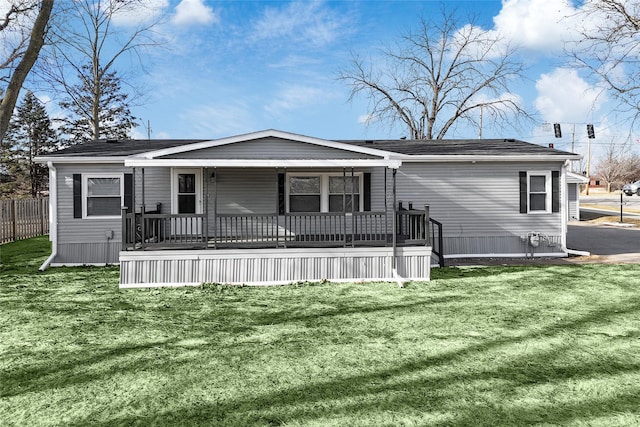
(318, 229)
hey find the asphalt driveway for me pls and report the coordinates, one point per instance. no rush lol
(604, 240)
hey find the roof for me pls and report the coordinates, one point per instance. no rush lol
(119, 147)
(404, 150)
(452, 147)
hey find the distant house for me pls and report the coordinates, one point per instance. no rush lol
(276, 207)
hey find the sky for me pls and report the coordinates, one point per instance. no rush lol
(234, 67)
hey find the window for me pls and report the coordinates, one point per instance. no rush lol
(323, 192)
(539, 192)
(103, 195)
(304, 194)
(339, 194)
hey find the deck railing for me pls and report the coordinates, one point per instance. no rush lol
(153, 230)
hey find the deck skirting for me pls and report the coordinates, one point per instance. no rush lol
(271, 266)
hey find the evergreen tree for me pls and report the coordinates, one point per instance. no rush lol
(98, 109)
(30, 134)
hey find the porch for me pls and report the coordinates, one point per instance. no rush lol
(276, 249)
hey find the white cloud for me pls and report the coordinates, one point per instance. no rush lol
(140, 12)
(193, 12)
(563, 96)
(539, 25)
(309, 22)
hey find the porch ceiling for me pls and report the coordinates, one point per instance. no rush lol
(267, 163)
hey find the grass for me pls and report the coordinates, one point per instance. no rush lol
(556, 345)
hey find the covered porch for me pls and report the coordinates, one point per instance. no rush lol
(212, 233)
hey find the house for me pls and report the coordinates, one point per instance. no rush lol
(275, 207)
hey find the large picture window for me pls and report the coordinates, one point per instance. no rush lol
(324, 192)
(103, 195)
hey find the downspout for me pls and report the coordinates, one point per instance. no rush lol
(53, 215)
(565, 215)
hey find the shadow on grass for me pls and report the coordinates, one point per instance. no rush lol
(415, 387)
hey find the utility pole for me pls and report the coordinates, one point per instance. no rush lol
(480, 130)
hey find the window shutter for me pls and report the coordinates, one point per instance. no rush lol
(367, 191)
(555, 191)
(281, 194)
(77, 195)
(523, 192)
(128, 191)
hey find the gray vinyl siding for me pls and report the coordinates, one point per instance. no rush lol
(157, 188)
(269, 149)
(241, 191)
(478, 205)
(574, 212)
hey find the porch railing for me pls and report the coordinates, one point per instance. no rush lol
(153, 230)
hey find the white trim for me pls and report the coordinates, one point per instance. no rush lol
(85, 193)
(324, 188)
(456, 158)
(261, 163)
(509, 255)
(198, 254)
(269, 133)
(84, 264)
(174, 187)
(80, 160)
(576, 178)
(548, 192)
(53, 215)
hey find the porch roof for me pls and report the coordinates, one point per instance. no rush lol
(262, 163)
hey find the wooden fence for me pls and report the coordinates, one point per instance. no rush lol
(23, 218)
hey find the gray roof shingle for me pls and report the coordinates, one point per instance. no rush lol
(450, 147)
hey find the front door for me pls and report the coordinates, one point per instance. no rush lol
(186, 199)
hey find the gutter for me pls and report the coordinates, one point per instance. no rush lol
(53, 215)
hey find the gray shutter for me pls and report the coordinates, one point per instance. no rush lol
(77, 195)
(555, 191)
(281, 194)
(523, 192)
(367, 191)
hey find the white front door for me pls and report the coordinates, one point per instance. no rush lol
(186, 198)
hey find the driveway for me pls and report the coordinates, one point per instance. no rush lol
(604, 240)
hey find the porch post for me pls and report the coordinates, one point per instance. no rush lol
(427, 230)
(205, 222)
(386, 210)
(215, 208)
(142, 230)
(394, 220)
(353, 216)
(344, 207)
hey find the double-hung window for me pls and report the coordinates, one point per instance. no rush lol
(539, 192)
(341, 190)
(103, 195)
(324, 192)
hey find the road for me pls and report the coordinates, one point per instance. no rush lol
(630, 203)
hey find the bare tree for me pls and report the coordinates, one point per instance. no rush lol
(609, 50)
(20, 56)
(95, 39)
(618, 165)
(438, 77)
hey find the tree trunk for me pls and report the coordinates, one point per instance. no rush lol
(22, 70)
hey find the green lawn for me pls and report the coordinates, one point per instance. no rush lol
(557, 345)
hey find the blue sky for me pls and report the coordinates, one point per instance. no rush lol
(233, 67)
